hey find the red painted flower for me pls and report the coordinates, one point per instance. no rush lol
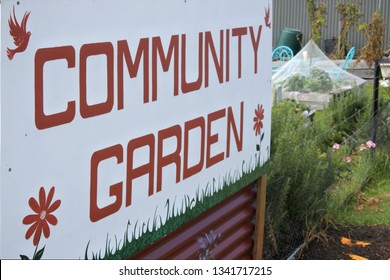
(258, 119)
(43, 217)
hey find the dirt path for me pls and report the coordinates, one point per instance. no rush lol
(378, 248)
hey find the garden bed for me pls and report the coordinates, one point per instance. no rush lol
(331, 247)
(315, 100)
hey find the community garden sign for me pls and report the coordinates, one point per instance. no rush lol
(121, 120)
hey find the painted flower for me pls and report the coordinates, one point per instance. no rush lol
(43, 215)
(258, 119)
(336, 147)
(371, 144)
(348, 159)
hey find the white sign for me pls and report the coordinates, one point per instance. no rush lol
(121, 120)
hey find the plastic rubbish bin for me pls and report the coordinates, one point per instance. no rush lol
(329, 45)
(291, 38)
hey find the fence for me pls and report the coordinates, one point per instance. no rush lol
(302, 171)
(292, 14)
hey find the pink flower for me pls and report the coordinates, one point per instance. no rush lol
(348, 159)
(362, 147)
(371, 144)
(336, 147)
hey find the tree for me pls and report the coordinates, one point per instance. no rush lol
(374, 33)
(350, 17)
(317, 19)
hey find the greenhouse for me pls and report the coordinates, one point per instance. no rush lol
(312, 78)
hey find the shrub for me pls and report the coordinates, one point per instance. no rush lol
(298, 177)
(295, 83)
(319, 81)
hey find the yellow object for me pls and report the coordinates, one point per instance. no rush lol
(346, 241)
(356, 257)
(363, 244)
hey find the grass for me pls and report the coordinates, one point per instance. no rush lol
(177, 214)
(372, 207)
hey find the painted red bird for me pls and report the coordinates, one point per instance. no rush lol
(19, 33)
(266, 18)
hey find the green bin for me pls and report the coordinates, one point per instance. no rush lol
(291, 38)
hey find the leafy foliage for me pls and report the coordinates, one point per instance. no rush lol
(372, 51)
(317, 19)
(298, 178)
(318, 80)
(350, 17)
(295, 83)
(310, 182)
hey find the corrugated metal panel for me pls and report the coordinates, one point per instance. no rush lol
(289, 14)
(293, 14)
(233, 218)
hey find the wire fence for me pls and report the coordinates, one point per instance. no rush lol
(362, 116)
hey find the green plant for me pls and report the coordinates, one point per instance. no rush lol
(372, 207)
(383, 135)
(298, 178)
(350, 16)
(316, 15)
(295, 82)
(311, 180)
(360, 164)
(346, 118)
(318, 80)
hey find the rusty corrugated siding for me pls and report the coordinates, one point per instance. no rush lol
(233, 218)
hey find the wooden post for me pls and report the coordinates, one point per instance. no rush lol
(375, 101)
(260, 217)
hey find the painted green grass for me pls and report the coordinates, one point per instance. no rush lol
(178, 213)
(371, 208)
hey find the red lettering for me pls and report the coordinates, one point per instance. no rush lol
(192, 86)
(88, 50)
(132, 67)
(231, 125)
(188, 126)
(218, 64)
(227, 64)
(255, 43)
(239, 32)
(213, 138)
(169, 152)
(145, 169)
(96, 213)
(157, 49)
(173, 158)
(42, 56)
